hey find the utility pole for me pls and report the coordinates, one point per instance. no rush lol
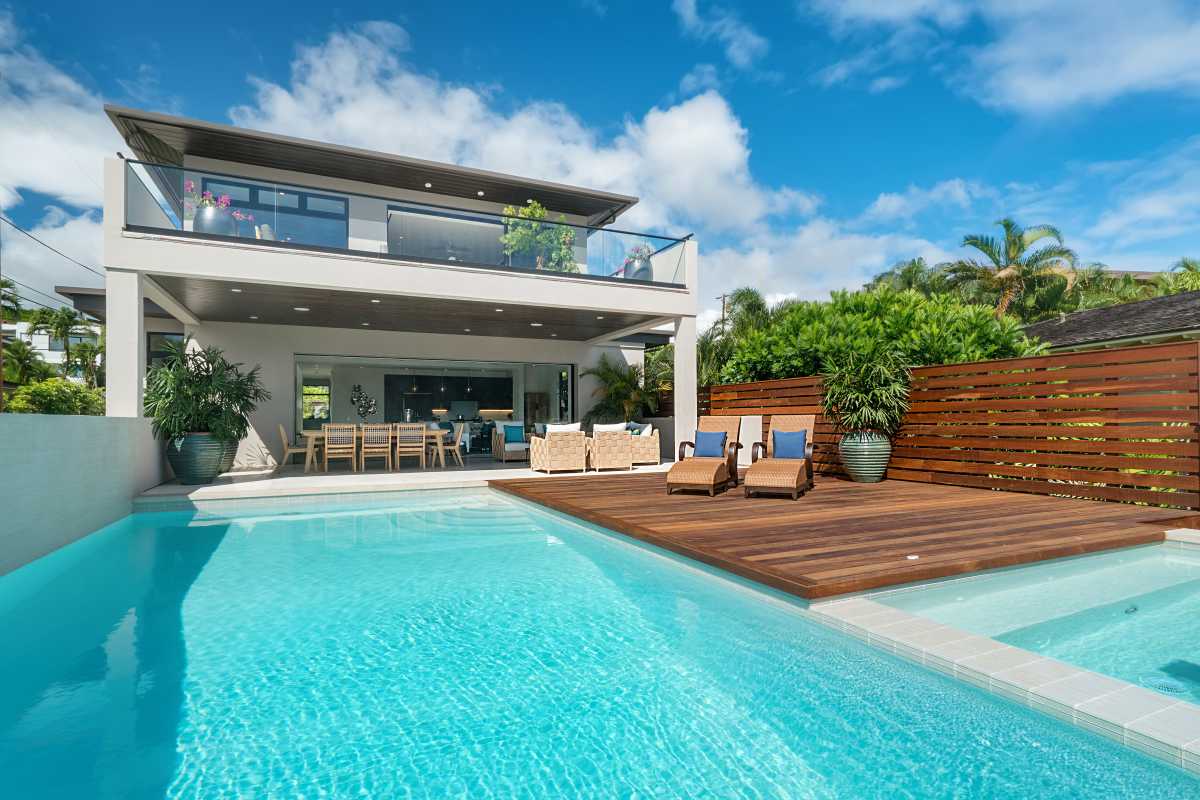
(724, 298)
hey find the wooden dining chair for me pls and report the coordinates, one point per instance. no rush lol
(340, 443)
(410, 441)
(376, 443)
(290, 449)
(456, 448)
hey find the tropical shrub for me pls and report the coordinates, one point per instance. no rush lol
(622, 392)
(808, 338)
(526, 232)
(200, 392)
(56, 396)
(867, 393)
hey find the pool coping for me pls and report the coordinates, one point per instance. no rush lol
(1152, 723)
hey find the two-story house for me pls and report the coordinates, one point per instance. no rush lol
(376, 287)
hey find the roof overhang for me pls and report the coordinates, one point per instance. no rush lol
(269, 304)
(166, 139)
(90, 300)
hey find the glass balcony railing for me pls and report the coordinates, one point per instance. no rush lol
(193, 202)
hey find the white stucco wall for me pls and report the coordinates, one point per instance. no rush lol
(275, 347)
(63, 477)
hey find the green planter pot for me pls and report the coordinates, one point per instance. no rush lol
(865, 455)
(195, 457)
(228, 456)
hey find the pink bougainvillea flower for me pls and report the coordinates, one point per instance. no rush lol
(189, 186)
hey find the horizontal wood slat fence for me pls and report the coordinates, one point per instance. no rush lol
(1120, 424)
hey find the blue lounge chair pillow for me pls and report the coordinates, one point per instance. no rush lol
(710, 444)
(514, 434)
(789, 444)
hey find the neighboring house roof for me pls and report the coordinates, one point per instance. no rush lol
(165, 139)
(1158, 316)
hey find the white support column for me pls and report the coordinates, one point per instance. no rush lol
(685, 379)
(125, 344)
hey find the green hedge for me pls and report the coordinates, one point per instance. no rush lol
(56, 396)
(810, 338)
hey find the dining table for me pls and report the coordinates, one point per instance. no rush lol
(312, 439)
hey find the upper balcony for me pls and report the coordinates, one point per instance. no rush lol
(214, 205)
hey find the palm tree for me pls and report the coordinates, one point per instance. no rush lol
(88, 360)
(1183, 277)
(913, 274)
(1010, 266)
(61, 323)
(23, 364)
(10, 302)
(622, 391)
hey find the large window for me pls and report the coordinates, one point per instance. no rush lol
(286, 215)
(156, 346)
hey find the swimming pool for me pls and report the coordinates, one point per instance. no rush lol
(1133, 614)
(464, 644)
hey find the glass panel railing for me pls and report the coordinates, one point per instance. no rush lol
(165, 198)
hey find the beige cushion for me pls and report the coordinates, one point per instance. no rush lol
(515, 447)
(563, 427)
(611, 426)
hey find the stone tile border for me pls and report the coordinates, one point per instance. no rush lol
(1157, 725)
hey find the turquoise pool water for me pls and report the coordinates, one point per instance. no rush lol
(464, 645)
(1133, 614)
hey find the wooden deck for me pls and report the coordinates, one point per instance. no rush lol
(845, 537)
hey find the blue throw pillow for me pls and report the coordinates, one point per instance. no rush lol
(710, 444)
(789, 444)
(514, 434)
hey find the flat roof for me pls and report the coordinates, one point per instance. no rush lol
(165, 139)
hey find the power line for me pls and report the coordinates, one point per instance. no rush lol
(50, 247)
(39, 291)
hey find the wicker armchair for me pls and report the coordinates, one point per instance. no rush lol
(508, 451)
(647, 449)
(611, 450)
(559, 451)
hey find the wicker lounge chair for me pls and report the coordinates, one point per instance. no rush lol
(789, 476)
(559, 451)
(708, 474)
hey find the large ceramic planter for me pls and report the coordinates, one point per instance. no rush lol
(196, 457)
(865, 455)
(639, 269)
(228, 456)
(214, 219)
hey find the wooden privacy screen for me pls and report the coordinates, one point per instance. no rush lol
(1120, 424)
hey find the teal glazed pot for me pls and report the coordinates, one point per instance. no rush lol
(865, 455)
(196, 457)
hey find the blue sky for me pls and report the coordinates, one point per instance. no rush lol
(808, 144)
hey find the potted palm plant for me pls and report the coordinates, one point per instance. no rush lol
(528, 234)
(200, 404)
(866, 398)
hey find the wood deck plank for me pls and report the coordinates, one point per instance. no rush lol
(845, 537)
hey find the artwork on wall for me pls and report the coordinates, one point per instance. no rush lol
(363, 402)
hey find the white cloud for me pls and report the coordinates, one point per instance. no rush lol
(53, 138)
(1037, 56)
(743, 46)
(1156, 201)
(914, 200)
(885, 83)
(699, 78)
(688, 162)
(77, 235)
(809, 261)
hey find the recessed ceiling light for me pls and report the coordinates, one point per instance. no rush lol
(466, 330)
(499, 310)
(428, 185)
(599, 316)
(236, 291)
(554, 334)
(480, 193)
(373, 300)
(254, 316)
(365, 324)
(535, 324)
(299, 308)
(529, 200)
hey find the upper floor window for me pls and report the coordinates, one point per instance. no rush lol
(284, 214)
